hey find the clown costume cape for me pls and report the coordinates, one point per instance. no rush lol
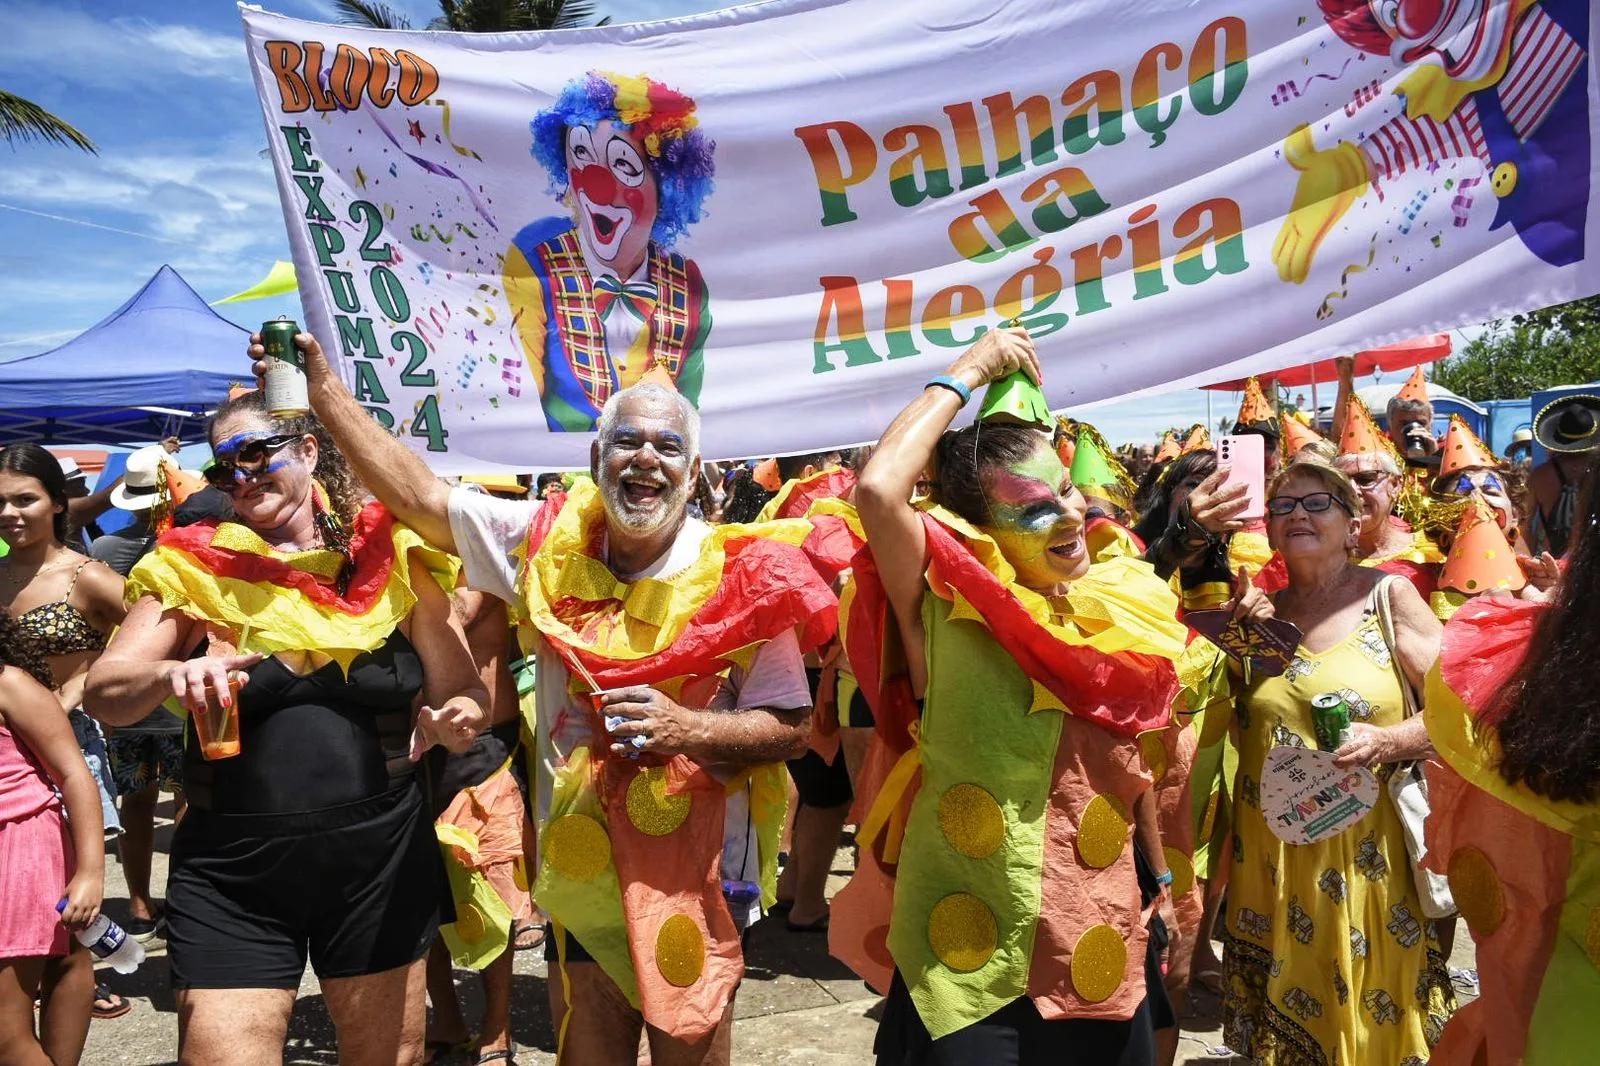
(997, 818)
(630, 850)
(1524, 869)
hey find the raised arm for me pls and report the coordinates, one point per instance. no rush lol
(883, 493)
(392, 472)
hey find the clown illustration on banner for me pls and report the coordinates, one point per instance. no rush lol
(600, 296)
(1498, 82)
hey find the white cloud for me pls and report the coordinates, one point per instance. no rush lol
(45, 41)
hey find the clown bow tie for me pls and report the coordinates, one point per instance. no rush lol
(638, 296)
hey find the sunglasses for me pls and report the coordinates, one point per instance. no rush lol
(1485, 483)
(249, 461)
(1314, 503)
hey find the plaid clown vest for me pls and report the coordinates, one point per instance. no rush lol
(578, 373)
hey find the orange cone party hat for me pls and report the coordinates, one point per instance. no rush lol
(1481, 559)
(1169, 449)
(1199, 439)
(1361, 434)
(1256, 413)
(1415, 388)
(1297, 435)
(766, 475)
(1463, 450)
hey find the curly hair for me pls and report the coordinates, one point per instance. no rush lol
(345, 493)
(19, 650)
(744, 499)
(1548, 716)
(680, 153)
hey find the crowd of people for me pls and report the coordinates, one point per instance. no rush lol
(620, 715)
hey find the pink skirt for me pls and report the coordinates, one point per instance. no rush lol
(36, 862)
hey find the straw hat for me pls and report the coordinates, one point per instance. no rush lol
(140, 488)
(1570, 424)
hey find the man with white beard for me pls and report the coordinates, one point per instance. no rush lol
(656, 843)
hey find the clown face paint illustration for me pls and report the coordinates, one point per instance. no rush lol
(1465, 34)
(614, 195)
(1038, 519)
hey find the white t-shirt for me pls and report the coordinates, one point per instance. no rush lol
(488, 530)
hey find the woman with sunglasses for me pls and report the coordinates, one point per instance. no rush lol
(323, 625)
(1326, 954)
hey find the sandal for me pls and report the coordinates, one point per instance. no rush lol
(525, 936)
(497, 1056)
(115, 1007)
(1210, 980)
(818, 926)
(434, 1050)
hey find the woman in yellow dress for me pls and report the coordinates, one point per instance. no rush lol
(1327, 957)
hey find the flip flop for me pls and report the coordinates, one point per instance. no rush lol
(497, 1056)
(1210, 980)
(119, 1006)
(526, 937)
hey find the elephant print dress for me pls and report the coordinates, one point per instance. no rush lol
(1327, 958)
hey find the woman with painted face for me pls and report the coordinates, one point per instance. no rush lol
(1327, 956)
(314, 623)
(1016, 934)
(66, 604)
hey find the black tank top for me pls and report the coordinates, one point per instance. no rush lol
(313, 742)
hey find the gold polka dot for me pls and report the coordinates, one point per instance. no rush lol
(1591, 937)
(1155, 755)
(470, 923)
(576, 847)
(1477, 891)
(1488, 553)
(962, 932)
(1102, 832)
(680, 951)
(1182, 872)
(650, 809)
(1099, 962)
(971, 821)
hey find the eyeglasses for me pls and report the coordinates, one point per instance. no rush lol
(1369, 479)
(1485, 482)
(228, 474)
(1314, 503)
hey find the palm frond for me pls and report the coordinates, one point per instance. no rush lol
(23, 120)
(371, 13)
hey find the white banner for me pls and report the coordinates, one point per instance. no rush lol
(800, 211)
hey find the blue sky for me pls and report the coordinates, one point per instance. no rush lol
(163, 88)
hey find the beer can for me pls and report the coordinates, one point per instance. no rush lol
(1331, 717)
(284, 379)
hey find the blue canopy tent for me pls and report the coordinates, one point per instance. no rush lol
(150, 369)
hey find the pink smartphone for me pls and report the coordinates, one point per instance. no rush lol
(1243, 457)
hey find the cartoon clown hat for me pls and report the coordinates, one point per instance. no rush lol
(1256, 413)
(1361, 434)
(1297, 435)
(1199, 439)
(1463, 450)
(1415, 388)
(766, 475)
(1169, 449)
(1481, 559)
(657, 374)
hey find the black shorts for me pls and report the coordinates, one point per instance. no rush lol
(1014, 1035)
(357, 887)
(821, 784)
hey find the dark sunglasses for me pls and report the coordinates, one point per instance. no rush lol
(249, 461)
(1314, 503)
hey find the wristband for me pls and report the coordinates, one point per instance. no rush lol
(1164, 878)
(945, 381)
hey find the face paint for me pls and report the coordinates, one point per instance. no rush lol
(1037, 520)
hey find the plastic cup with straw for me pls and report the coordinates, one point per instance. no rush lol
(217, 725)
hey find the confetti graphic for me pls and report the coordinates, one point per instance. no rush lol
(1343, 292)
(1412, 210)
(1288, 90)
(444, 105)
(1461, 206)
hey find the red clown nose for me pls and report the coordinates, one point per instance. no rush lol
(596, 183)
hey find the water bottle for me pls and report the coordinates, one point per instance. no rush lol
(109, 943)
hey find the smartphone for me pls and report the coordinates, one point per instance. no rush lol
(1243, 458)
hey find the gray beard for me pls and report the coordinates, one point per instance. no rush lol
(669, 507)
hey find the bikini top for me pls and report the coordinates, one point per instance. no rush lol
(59, 628)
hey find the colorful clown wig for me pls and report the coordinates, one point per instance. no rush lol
(680, 153)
